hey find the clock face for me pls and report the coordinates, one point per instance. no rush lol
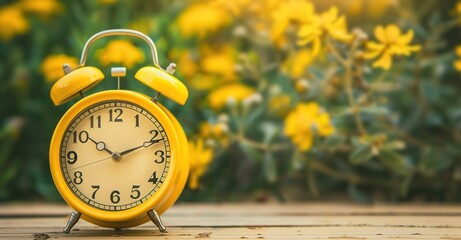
(114, 155)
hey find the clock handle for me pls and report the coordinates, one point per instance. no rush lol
(154, 77)
(77, 81)
(120, 32)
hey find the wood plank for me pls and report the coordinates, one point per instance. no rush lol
(259, 209)
(245, 232)
(255, 221)
(240, 221)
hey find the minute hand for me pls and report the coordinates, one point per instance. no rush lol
(145, 144)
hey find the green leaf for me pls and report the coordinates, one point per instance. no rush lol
(334, 140)
(375, 110)
(297, 160)
(394, 145)
(430, 91)
(269, 130)
(405, 185)
(269, 167)
(361, 154)
(393, 160)
(253, 116)
(433, 160)
(343, 111)
(252, 153)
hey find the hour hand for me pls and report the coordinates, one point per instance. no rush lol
(100, 146)
(145, 144)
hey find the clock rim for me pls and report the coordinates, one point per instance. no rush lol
(71, 199)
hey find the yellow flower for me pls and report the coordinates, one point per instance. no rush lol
(288, 12)
(208, 130)
(200, 158)
(51, 67)
(231, 92)
(296, 65)
(457, 63)
(391, 42)
(120, 52)
(219, 62)
(305, 121)
(302, 86)
(12, 22)
(185, 61)
(43, 8)
(235, 7)
(201, 19)
(280, 104)
(217, 131)
(327, 24)
(359, 8)
(265, 16)
(203, 82)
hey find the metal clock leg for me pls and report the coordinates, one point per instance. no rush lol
(153, 215)
(73, 219)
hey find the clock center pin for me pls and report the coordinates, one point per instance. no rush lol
(116, 156)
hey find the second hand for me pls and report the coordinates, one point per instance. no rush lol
(84, 165)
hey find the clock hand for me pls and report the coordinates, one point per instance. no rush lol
(145, 144)
(84, 165)
(100, 146)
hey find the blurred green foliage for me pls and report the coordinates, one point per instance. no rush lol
(397, 141)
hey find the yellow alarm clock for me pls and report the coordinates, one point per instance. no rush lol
(119, 158)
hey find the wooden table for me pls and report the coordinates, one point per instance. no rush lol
(249, 221)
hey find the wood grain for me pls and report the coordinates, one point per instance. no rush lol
(252, 221)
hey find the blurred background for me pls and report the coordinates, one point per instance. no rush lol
(290, 100)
